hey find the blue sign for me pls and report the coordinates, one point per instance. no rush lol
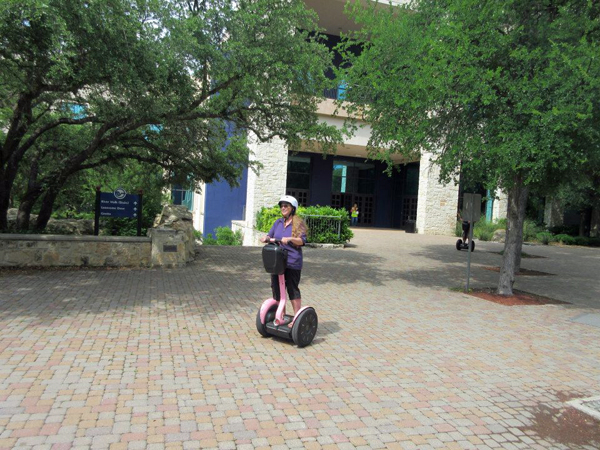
(119, 204)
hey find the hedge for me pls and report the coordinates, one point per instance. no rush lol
(267, 216)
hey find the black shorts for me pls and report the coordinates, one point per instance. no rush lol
(466, 226)
(292, 280)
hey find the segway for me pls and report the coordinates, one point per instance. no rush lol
(271, 318)
(460, 245)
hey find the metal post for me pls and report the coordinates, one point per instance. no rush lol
(139, 213)
(97, 212)
(469, 256)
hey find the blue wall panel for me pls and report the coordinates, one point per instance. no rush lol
(224, 204)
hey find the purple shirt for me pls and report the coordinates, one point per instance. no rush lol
(279, 231)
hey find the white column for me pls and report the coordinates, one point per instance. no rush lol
(553, 212)
(198, 210)
(437, 203)
(500, 207)
(266, 187)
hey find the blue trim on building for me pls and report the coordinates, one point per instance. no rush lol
(224, 204)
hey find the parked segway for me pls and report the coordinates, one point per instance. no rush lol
(460, 245)
(271, 318)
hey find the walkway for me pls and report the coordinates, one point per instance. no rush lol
(152, 359)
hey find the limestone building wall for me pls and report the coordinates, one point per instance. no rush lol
(500, 207)
(266, 187)
(437, 203)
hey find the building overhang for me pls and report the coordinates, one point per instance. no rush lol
(356, 145)
(332, 17)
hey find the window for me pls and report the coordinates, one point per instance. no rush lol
(353, 177)
(298, 172)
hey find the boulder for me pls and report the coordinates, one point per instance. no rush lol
(11, 216)
(55, 226)
(180, 219)
(171, 214)
(499, 236)
(70, 226)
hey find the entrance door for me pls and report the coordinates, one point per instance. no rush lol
(365, 203)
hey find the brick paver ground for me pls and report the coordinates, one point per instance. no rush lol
(152, 359)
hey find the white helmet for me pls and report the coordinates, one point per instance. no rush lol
(289, 199)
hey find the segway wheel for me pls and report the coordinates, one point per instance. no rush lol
(305, 327)
(459, 244)
(472, 246)
(262, 328)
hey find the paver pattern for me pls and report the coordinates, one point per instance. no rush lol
(170, 358)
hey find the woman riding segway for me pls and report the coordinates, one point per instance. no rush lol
(290, 233)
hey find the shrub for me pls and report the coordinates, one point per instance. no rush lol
(571, 230)
(225, 236)
(530, 230)
(565, 239)
(458, 229)
(544, 237)
(266, 217)
(581, 240)
(485, 235)
(594, 242)
(209, 240)
(484, 229)
(72, 214)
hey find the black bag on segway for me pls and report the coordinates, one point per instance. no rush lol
(274, 259)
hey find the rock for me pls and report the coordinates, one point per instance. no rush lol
(54, 226)
(178, 218)
(171, 214)
(70, 226)
(499, 236)
(11, 216)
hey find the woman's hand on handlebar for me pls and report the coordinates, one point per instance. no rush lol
(265, 239)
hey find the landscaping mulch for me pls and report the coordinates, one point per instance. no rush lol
(519, 298)
(522, 271)
(523, 255)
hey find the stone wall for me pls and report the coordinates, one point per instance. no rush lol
(46, 250)
(170, 243)
(437, 203)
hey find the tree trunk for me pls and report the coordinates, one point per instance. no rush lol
(31, 196)
(46, 209)
(511, 260)
(4, 204)
(585, 217)
(7, 178)
(24, 213)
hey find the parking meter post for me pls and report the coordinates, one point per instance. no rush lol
(139, 212)
(469, 247)
(97, 212)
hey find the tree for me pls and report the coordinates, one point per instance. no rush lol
(506, 90)
(178, 84)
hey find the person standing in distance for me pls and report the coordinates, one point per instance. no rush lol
(354, 215)
(291, 230)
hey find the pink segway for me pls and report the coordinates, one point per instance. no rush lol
(271, 318)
